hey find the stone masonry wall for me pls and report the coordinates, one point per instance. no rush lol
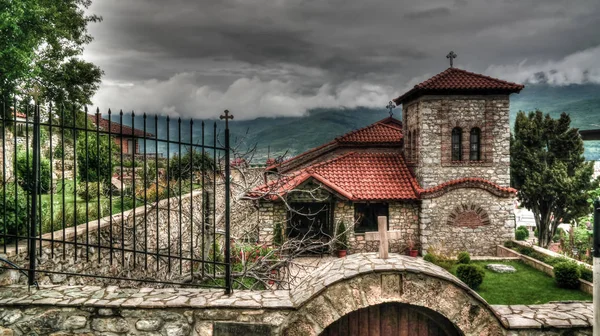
(451, 223)
(7, 153)
(157, 229)
(436, 116)
(403, 220)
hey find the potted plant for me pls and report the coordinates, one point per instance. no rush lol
(341, 241)
(411, 247)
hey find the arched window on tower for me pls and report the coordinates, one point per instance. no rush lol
(408, 147)
(457, 144)
(414, 146)
(475, 144)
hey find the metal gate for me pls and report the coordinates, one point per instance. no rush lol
(115, 197)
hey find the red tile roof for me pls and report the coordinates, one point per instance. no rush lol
(355, 176)
(458, 80)
(115, 127)
(387, 132)
(376, 133)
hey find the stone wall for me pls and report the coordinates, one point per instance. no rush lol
(450, 223)
(7, 154)
(403, 221)
(334, 290)
(171, 228)
(434, 117)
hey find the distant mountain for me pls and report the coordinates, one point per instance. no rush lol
(294, 135)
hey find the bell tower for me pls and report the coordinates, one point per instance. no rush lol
(456, 125)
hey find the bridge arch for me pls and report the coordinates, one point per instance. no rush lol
(347, 286)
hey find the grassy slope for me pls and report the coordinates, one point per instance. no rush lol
(526, 286)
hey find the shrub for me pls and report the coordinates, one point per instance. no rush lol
(89, 190)
(431, 258)
(277, 234)
(567, 274)
(15, 211)
(525, 250)
(555, 260)
(522, 233)
(439, 259)
(535, 233)
(472, 275)
(463, 258)
(191, 162)
(510, 244)
(25, 171)
(342, 239)
(586, 273)
(59, 152)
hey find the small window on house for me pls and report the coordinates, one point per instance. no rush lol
(475, 144)
(456, 144)
(365, 216)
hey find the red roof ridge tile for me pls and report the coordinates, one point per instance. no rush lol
(336, 141)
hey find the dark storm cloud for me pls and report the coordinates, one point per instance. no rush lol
(290, 55)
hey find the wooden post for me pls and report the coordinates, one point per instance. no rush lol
(383, 237)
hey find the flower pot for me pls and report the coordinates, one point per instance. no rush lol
(341, 253)
(413, 253)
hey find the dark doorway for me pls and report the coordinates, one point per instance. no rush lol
(392, 319)
(310, 223)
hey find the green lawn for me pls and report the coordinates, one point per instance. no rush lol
(86, 211)
(526, 286)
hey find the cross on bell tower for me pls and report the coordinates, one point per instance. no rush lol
(451, 56)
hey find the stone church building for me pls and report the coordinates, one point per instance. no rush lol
(441, 175)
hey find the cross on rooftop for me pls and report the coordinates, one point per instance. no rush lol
(390, 106)
(226, 116)
(451, 56)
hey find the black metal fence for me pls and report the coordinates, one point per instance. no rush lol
(114, 197)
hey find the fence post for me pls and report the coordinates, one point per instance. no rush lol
(34, 194)
(596, 274)
(228, 286)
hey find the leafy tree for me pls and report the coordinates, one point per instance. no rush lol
(40, 44)
(25, 171)
(191, 162)
(93, 161)
(549, 171)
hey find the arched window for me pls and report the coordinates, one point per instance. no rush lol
(475, 144)
(408, 146)
(457, 144)
(414, 145)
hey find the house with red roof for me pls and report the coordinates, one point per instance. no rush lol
(125, 137)
(441, 175)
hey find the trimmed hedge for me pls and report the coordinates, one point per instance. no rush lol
(463, 258)
(472, 275)
(521, 233)
(567, 274)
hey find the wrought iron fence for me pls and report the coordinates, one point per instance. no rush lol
(114, 197)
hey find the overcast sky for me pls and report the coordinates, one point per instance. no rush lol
(284, 57)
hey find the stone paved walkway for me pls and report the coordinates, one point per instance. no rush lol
(559, 315)
(554, 314)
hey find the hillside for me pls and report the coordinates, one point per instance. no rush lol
(293, 135)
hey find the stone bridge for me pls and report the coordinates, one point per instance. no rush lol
(335, 294)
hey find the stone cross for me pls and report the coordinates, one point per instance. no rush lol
(390, 106)
(383, 237)
(226, 116)
(451, 56)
